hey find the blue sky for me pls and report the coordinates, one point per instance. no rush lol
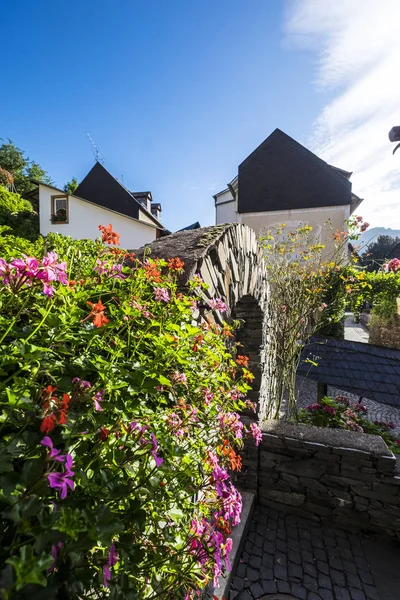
(175, 93)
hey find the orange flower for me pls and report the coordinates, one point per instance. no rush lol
(97, 312)
(152, 272)
(249, 376)
(224, 526)
(108, 235)
(175, 264)
(242, 360)
(71, 282)
(227, 332)
(234, 459)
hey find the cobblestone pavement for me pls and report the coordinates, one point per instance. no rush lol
(307, 390)
(286, 554)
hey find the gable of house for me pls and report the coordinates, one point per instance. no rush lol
(101, 188)
(281, 174)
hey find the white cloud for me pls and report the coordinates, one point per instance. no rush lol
(357, 44)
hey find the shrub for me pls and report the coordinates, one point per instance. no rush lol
(338, 413)
(18, 214)
(118, 425)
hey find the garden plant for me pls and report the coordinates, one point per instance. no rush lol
(340, 413)
(119, 420)
(309, 286)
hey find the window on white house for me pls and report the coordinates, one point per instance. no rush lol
(59, 209)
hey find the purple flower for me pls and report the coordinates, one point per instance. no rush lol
(220, 475)
(82, 383)
(161, 295)
(4, 271)
(48, 290)
(62, 481)
(256, 433)
(54, 453)
(98, 397)
(55, 552)
(330, 410)
(111, 561)
(179, 378)
(231, 422)
(154, 442)
(217, 304)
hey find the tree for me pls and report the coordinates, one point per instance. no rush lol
(71, 186)
(377, 252)
(13, 160)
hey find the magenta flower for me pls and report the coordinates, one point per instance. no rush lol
(62, 481)
(312, 407)
(330, 410)
(217, 304)
(54, 453)
(231, 423)
(158, 459)
(55, 552)
(208, 396)
(220, 476)
(179, 378)
(161, 295)
(256, 433)
(98, 397)
(111, 561)
(83, 385)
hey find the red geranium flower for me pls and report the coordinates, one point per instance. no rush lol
(97, 312)
(109, 236)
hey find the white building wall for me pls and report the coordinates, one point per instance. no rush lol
(324, 220)
(85, 218)
(226, 209)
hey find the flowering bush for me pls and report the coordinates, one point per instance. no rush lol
(119, 422)
(340, 414)
(307, 275)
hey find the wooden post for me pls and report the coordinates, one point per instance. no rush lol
(322, 390)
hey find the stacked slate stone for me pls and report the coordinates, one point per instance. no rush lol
(347, 478)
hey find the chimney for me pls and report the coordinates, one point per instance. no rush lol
(156, 210)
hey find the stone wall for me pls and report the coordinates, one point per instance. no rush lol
(349, 479)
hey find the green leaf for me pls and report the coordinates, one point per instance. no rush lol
(29, 567)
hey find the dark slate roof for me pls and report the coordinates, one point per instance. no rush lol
(101, 188)
(282, 174)
(190, 227)
(363, 369)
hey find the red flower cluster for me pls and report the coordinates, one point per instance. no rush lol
(108, 235)
(59, 415)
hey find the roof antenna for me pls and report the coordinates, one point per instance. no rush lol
(95, 149)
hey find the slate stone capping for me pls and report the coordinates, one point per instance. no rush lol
(329, 438)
